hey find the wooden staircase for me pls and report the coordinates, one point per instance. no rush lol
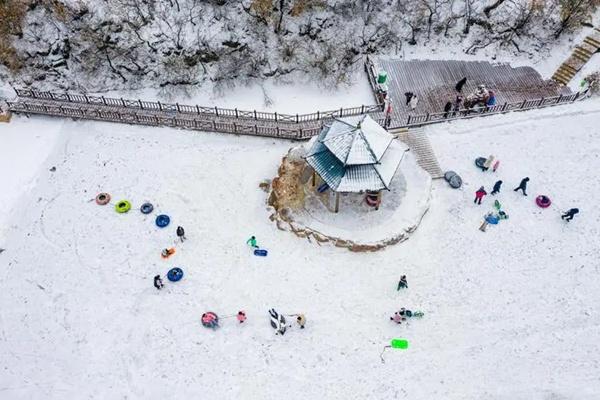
(579, 57)
(417, 141)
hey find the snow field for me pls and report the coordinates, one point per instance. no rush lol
(509, 314)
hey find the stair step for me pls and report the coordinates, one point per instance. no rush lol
(592, 41)
(582, 50)
(567, 67)
(580, 57)
(564, 75)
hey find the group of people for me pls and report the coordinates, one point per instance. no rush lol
(481, 193)
(166, 253)
(403, 313)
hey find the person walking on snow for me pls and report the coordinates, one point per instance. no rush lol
(252, 242)
(496, 187)
(523, 186)
(402, 284)
(479, 195)
(158, 283)
(180, 233)
(301, 320)
(409, 96)
(241, 317)
(570, 214)
(413, 102)
(460, 84)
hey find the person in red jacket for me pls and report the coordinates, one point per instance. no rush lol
(479, 195)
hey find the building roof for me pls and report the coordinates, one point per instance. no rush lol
(371, 167)
(356, 140)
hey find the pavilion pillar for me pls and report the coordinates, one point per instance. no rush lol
(337, 202)
(379, 195)
(314, 178)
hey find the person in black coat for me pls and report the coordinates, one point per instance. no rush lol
(180, 233)
(158, 283)
(460, 84)
(409, 96)
(523, 186)
(447, 109)
(497, 187)
(570, 214)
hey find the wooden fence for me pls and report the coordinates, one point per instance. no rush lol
(296, 131)
(530, 104)
(198, 110)
(216, 119)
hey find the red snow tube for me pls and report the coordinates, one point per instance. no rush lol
(210, 320)
(543, 201)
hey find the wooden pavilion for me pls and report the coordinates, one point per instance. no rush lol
(355, 155)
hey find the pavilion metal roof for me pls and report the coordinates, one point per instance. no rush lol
(356, 140)
(372, 167)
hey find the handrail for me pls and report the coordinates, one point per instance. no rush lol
(525, 104)
(198, 110)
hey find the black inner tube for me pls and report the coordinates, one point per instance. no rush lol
(102, 197)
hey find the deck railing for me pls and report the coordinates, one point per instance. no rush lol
(525, 104)
(226, 113)
(90, 111)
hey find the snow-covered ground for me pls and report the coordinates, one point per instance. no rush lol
(512, 313)
(295, 97)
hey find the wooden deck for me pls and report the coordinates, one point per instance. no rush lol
(434, 81)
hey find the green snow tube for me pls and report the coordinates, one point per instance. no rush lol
(382, 77)
(122, 206)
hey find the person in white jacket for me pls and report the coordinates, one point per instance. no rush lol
(412, 104)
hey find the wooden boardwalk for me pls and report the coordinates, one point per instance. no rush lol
(434, 81)
(181, 116)
(580, 56)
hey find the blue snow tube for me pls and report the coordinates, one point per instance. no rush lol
(146, 208)
(175, 274)
(162, 220)
(492, 219)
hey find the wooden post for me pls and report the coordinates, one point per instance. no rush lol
(379, 195)
(314, 178)
(337, 201)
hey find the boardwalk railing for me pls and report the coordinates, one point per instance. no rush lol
(226, 113)
(131, 115)
(432, 118)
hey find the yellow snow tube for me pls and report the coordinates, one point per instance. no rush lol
(122, 206)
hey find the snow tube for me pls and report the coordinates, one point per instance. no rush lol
(162, 220)
(175, 274)
(448, 175)
(543, 201)
(210, 320)
(260, 252)
(492, 219)
(146, 208)
(371, 198)
(480, 161)
(122, 206)
(455, 182)
(102, 199)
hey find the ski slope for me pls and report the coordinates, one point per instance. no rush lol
(512, 313)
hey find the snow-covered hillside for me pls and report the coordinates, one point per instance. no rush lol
(90, 45)
(511, 313)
